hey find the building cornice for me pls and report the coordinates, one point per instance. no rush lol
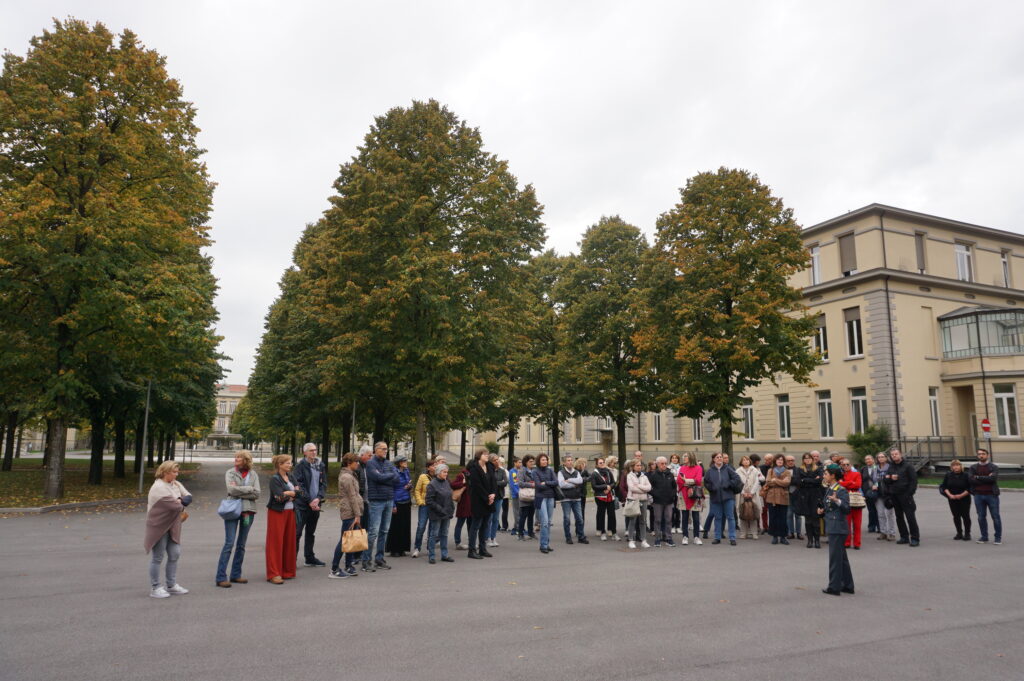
(975, 375)
(912, 278)
(876, 209)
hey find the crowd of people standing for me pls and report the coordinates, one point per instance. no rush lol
(658, 499)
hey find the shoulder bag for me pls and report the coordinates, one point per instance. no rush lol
(631, 509)
(527, 494)
(354, 540)
(230, 508)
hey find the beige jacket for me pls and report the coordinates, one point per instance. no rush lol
(350, 503)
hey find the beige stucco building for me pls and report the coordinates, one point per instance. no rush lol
(921, 322)
(228, 397)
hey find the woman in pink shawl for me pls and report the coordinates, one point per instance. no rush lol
(167, 501)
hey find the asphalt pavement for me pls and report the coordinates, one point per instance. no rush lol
(74, 604)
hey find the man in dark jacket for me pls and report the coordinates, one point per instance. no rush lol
(570, 481)
(311, 482)
(984, 479)
(663, 496)
(381, 475)
(722, 481)
(900, 486)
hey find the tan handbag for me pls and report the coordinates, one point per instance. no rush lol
(354, 540)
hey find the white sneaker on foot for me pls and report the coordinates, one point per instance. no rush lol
(603, 537)
(159, 592)
(415, 553)
(645, 545)
(460, 547)
(686, 540)
(632, 544)
(698, 542)
(177, 589)
(616, 537)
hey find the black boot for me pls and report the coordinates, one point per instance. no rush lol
(817, 542)
(810, 542)
(474, 555)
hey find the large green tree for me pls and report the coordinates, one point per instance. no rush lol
(418, 261)
(719, 315)
(103, 205)
(599, 291)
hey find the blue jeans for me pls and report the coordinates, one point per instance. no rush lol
(438, 533)
(990, 502)
(492, 528)
(235, 534)
(545, 509)
(350, 558)
(723, 511)
(380, 523)
(572, 507)
(794, 521)
(422, 517)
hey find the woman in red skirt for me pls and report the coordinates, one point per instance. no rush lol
(281, 544)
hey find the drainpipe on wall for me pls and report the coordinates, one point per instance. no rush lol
(892, 343)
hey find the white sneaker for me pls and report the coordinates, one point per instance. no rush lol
(460, 547)
(698, 542)
(603, 537)
(415, 553)
(645, 545)
(632, 544)
(616, 537)
(159, 592)
(177, 590)
(686, 540)
(492, 543)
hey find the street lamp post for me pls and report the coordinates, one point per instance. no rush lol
(145, 431)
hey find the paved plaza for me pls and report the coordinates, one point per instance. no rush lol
(75, 604)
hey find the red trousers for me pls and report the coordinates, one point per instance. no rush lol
(280, 550)
(853, 523)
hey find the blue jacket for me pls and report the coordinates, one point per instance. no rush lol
(402, 495)
(301, 478)
(720, 482)
(513, 481)
(381, 475)
(545, 481)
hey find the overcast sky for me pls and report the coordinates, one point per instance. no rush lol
(605, 107)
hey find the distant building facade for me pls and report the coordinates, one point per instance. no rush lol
(921, 324)
(228, 397)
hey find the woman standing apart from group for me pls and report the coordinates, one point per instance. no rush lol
(242, 483)
(165, 509)
(281, 545)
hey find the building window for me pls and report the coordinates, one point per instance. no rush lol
(859, 409)
(748, 419)
(1006, 410)
(854, 343)
(825, 429)
(964, 264)
(847, 255)
(815, 265)
(933, 409)
(785, 423)
(919, 244)
(220, 425)
(1005, 260)
(222, 407)
(579, 428)
(231, 407)
(698, 430)
(542, 436)
(656, 427)
(821, 338)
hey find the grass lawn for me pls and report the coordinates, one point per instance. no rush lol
(23, 486)
(1003, 483)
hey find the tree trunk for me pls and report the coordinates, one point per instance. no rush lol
(161, 448)
(12, 425)
(419, 444)
(620, 437)
(119, 446)
(555, 456)
(346, 435)
(380, 425)
(150, 447)
(433, 444)
(139, 444)
(325, 441)
(462, 447)
(726, 434)
(511, 445)
(170, 448)
(54, 484)
(97, 438)
(21, 434)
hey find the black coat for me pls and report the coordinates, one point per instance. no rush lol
(809, 492)
(481, 484)
(905, 484)
(663, 486)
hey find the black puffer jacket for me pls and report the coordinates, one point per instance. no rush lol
(809, 491)
(663, 486)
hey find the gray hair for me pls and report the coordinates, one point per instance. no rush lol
(365, 449)
(443, 468)
(378, 444)
(308, 446)
(660, 459)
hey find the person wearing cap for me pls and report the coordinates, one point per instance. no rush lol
(440, 509)
(398, 541)
(833, 508)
